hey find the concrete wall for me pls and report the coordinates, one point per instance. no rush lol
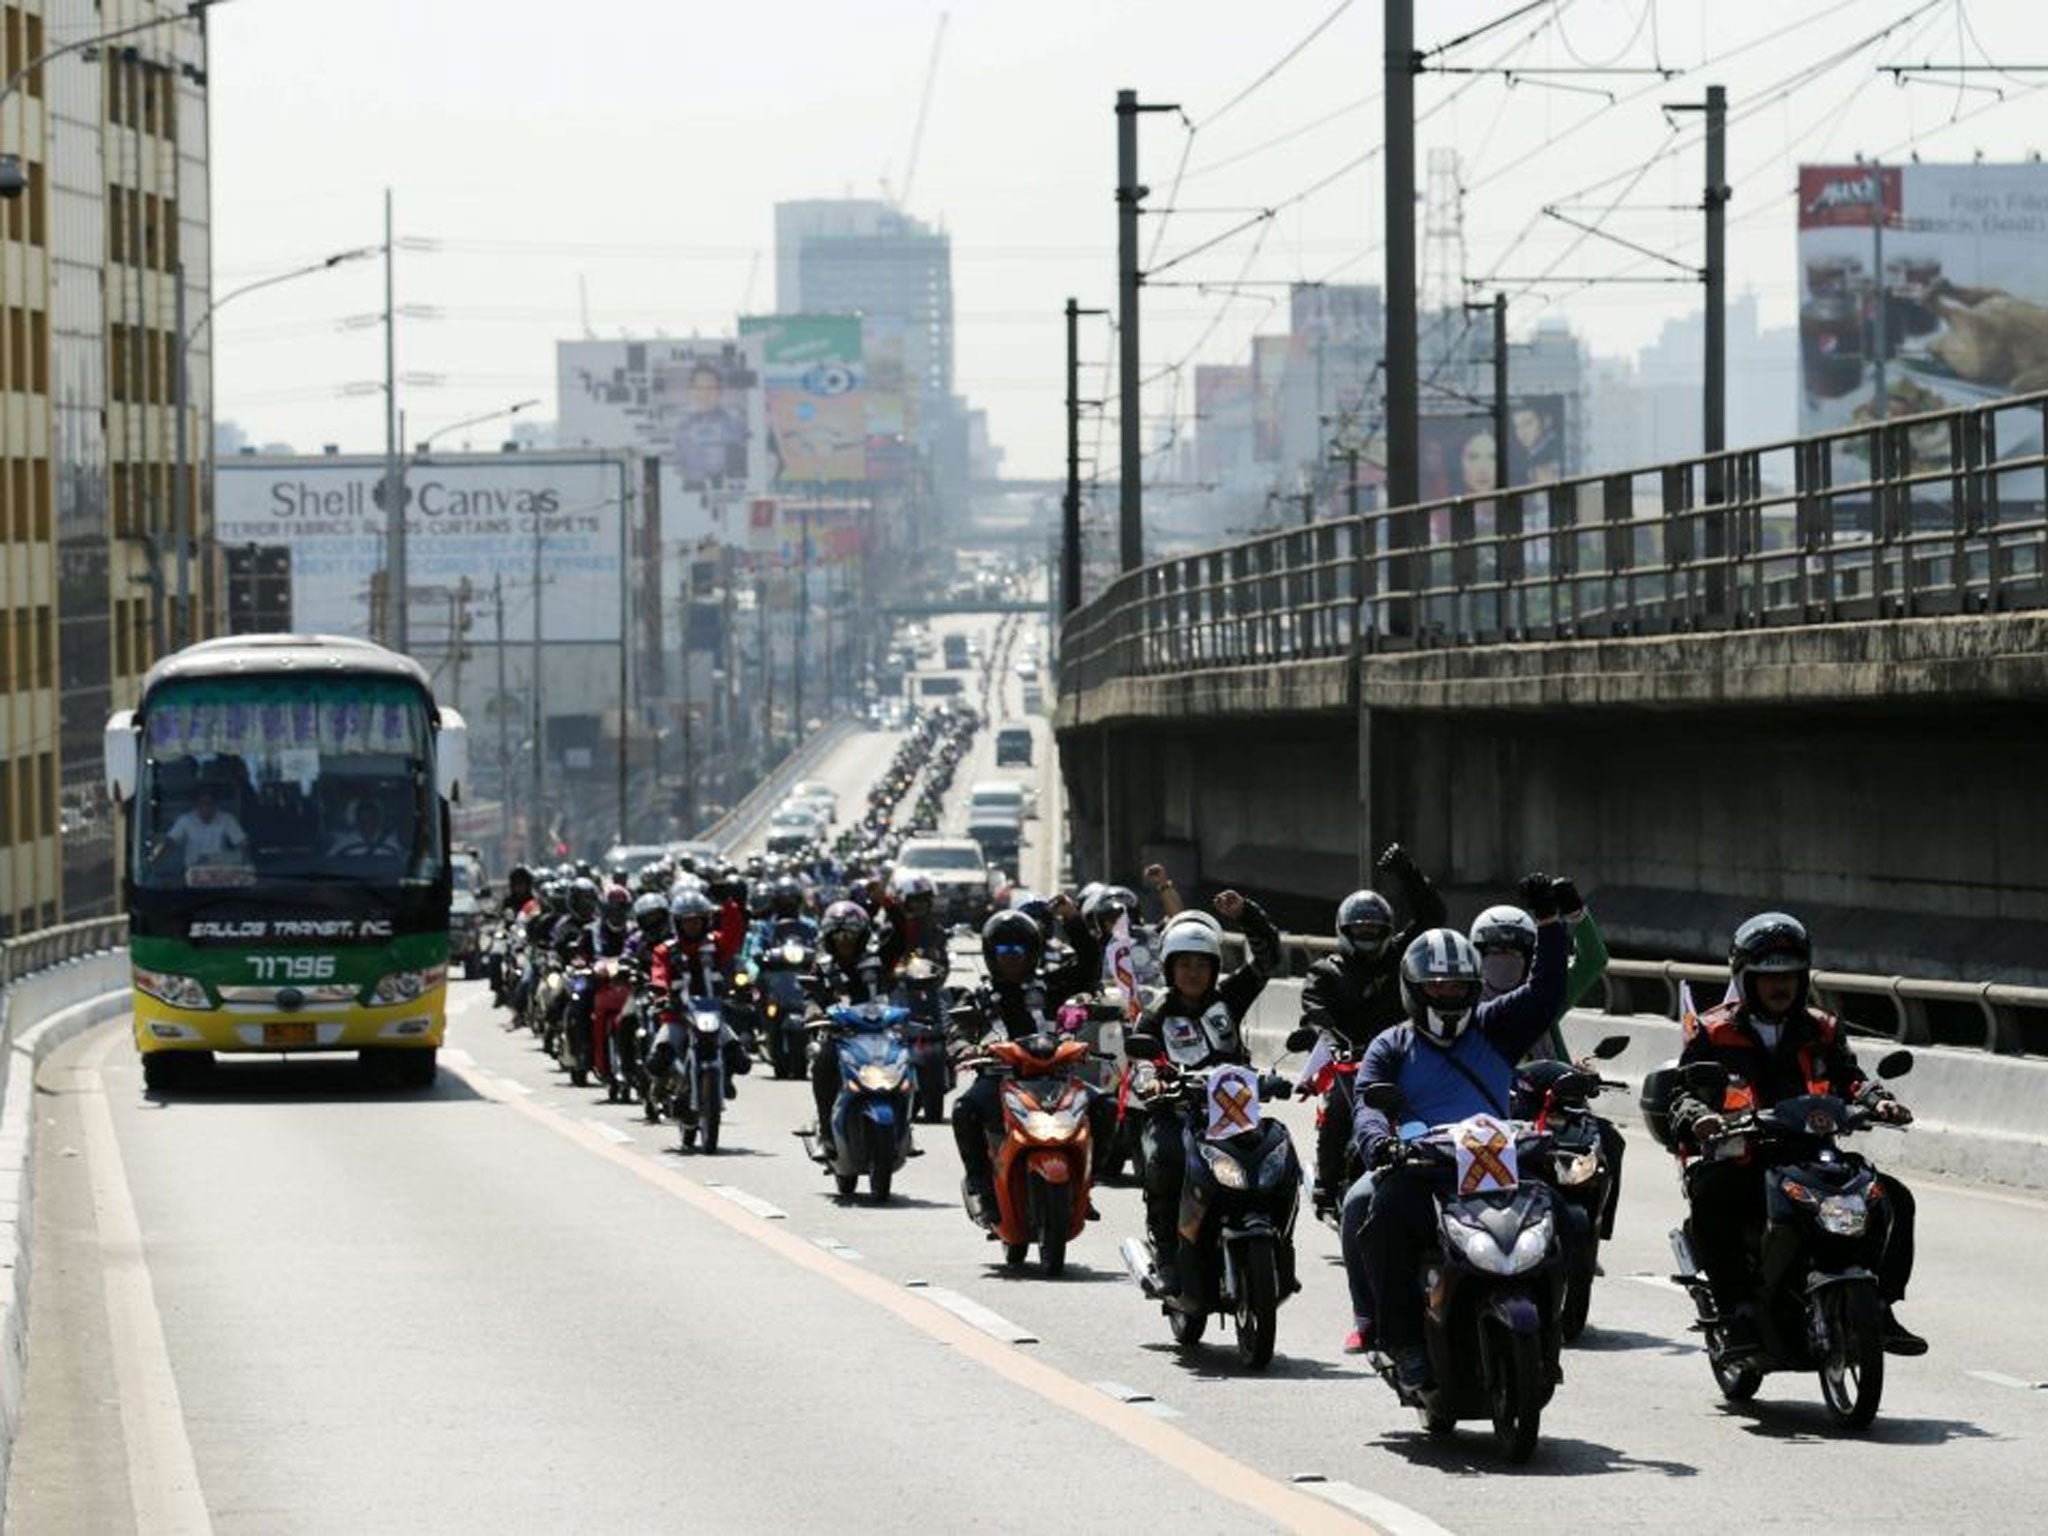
(1884, 780)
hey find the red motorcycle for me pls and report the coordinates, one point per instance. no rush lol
(1042, 1152)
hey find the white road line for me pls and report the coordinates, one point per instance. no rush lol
(747, 1202)
(1661, 1282)
(516, 1086)
(609, 1131)
(1394, 1518)
(2000, 1379)
(163, 1479)
(837, 1249)
(1144, 1402)
(968, 1310)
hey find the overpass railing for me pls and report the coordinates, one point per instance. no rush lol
(1941, 513)
(52, 946)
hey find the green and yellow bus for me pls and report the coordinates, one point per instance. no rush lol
(288, 872)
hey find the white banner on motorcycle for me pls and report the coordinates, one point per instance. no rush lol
(1318, 1059)
(1233, 1102)
(1486, 1155)
(1117, 968)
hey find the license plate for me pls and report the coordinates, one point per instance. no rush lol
(290, 1034)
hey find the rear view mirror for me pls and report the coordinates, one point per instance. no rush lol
(1894, 1064)
(1610, 1048)
(1384, 1097)
(1302, 1039)
(1707, 1080)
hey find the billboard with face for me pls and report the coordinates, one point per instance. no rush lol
(1458, 457)
(691, 403)
(1933, 270)
(813, 382)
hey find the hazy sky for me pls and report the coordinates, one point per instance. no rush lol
(640, 145)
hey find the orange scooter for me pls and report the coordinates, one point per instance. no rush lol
(1043, 1151)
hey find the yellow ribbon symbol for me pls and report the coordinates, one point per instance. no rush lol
(1232, 1095)
(1486, 1163)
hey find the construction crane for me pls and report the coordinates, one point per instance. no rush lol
(900, 200)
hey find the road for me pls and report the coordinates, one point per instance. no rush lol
(289, 1303)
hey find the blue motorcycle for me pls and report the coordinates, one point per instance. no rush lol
(870, 1128)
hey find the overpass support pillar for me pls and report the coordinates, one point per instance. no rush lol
(1364, 827)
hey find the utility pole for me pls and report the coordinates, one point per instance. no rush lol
(689, 744)
(1308, 508)
(1070, 508)
(1714, 433)
(1404, 411)
(181, 491)
(1347, 455)
(761, 638)
(1881, 343)
(802, 625)
(505, 853)
(540, 720)
(394, 498)
(1130, 425)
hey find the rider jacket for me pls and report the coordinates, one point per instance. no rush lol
(1354, 997)
(687, 966)
(1472, 1075)
(1812, 1056)
(1011, 1009)
(905, 935)
(829, 982)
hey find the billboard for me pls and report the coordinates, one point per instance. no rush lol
(487, 517)
(1934, 269)
(815, 427)
(1458, 451)
(1269, 379)
(692, 403)
(889, 408)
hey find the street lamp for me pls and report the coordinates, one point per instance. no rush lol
(181, 494)
(426, 444)
(13, 178)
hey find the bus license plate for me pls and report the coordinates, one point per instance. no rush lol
(289, 1034)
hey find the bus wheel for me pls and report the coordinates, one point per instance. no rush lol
(162, 1070)
(415, 1069)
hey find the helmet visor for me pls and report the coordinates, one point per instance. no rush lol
(1450, 994)
(1503, 969)
(1370, 934)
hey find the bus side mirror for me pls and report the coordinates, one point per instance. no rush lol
(451, 756)
(123, 752)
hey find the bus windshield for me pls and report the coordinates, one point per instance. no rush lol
(253, 781)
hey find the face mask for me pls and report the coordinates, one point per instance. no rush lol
(1503, 970)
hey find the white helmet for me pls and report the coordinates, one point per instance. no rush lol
(1440, 984)
(1197, 918)
(1185, 938)
(1505, 937)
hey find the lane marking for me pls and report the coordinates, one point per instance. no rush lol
(2000, 1379)
(1395, 1519)
(1203, 1464)
(609, 1131)
(834, 1246)
(745, 1201)
(163, 1478)
(1144, 1402)
(968, 1310)
(510, 1082)
(1660, 1282)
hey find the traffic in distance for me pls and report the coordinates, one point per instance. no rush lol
(1398, 1156)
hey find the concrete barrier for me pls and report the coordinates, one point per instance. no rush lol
(1977, 1117)
(39, 1012)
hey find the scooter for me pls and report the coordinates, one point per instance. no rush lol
(1238, 1207)
(1099, 1020)
(1814, 1292)
(869, 1134)
(572, 1031)
(779, 988)
(1494, 1288)
(918, 984)
(702, 1086)
(1041, 1153)
(1580, 1174)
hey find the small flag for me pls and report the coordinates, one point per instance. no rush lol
(1688, 1015)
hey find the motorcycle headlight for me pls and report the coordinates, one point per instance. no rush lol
(1052, 1124)
(1224, 1168)
(876, 1077)
(1844, 1215)
(404, 986)
(742, 979)
(1578, 1169)
(1483, 1253)
(178, 991)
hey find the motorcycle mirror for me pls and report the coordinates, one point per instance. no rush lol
(1573, 1087)
(1384, 1097)
(1142, 1046)
(1610, 1048)
(1895, 1064)
(1301, 1039)
(1708, 1079)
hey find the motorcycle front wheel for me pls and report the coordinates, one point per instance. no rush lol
(710, 1107)
(1578, 1293)
(1188, 1327)
(1852, 1376)
(1514, 1388)
(1055, 1217)
(1258, 1307)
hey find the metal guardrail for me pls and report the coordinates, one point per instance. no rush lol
(2002, 1008)
(1936, 514)
(52, 946)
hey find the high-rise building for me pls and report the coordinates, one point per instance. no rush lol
(861, 256)
(114, 149)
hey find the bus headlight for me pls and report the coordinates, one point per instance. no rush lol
(178, 991)
(404, 986)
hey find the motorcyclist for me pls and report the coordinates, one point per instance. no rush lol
(1453, 1059)
(912, 926)
(1017, 999)
(1772, 1038)
(1199, 1019)
(688, 964)
(846, 970)
(1349, 997)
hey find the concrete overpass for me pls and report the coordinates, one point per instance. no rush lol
(1698, 694)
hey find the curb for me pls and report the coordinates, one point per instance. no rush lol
(25, 1056)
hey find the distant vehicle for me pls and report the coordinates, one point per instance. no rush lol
(1000, 797)
(633, 856)
(466, 911)
(958, 872)
(999, 835)
(289, 879)
(798, 816)
(816, 793)
(1027, 667)
(1034, 700)
(956, 652)
(696, 852)
(939, 686)
(1013, 746)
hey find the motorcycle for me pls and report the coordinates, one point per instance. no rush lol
(1331, 1072)
(1099, 1020)
(1814, 1285)
(573, 1032)
(1239, 1201)
(869, 1132)
(626, 1053)
(1494, 1288)
(1041, 1153)
(700, 1089)
(925, 1029)
(1581, 1177)
(778, 983)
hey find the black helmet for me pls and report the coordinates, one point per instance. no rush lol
(687, 903)
(520, 874)
(650, 913)
(583, 898)
(786, 897)
(844, 917)
(1770, 941)
(1008, 933)
(1365, 924)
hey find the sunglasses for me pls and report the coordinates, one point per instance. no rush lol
(1011, 951)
